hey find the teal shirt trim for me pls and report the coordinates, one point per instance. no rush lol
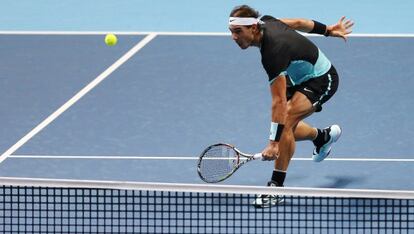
(300, 71)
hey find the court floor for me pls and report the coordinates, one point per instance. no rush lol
(154, 106)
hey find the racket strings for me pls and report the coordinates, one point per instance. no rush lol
(218, 162)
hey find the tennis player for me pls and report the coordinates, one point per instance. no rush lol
(301, 79)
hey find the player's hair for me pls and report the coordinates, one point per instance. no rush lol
(244, 11)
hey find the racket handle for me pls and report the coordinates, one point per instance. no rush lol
(258, 156)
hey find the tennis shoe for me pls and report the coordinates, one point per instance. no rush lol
(267, 200)
(321, 152)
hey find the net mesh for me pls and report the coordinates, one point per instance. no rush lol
(49, 208)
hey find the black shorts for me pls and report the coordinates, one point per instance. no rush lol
(318, 90)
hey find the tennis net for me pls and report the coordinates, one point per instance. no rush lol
(80, 206)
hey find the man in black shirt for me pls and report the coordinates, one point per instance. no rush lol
(301, 79)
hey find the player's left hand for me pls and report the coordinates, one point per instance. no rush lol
(341, 29)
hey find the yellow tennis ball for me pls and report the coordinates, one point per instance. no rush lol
(110, 39)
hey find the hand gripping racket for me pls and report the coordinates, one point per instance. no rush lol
(219, 161)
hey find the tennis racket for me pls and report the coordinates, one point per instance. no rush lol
(219, 161)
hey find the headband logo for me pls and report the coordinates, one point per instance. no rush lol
(246, 21)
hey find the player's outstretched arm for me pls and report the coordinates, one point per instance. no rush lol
(341, 29)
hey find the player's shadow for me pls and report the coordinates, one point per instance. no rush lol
(341, 181)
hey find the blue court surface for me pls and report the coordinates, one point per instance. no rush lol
(143, 110)
(180, 93)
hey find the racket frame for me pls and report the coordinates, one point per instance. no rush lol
(238, 153)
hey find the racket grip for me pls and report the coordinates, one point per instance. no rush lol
(258, 156)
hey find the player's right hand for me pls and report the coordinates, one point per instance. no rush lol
(271, 152)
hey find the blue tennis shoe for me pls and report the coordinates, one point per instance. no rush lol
(320, 153)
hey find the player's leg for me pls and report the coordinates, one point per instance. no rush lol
(318, 91)
(299, 107)
(304, 131)
(324, 88)
(321, 138)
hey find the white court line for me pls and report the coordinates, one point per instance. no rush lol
(78, 96)
(391, 35)
(195, 158)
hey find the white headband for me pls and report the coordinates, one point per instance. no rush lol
(244, 21)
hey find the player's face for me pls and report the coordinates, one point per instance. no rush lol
(242, 35)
